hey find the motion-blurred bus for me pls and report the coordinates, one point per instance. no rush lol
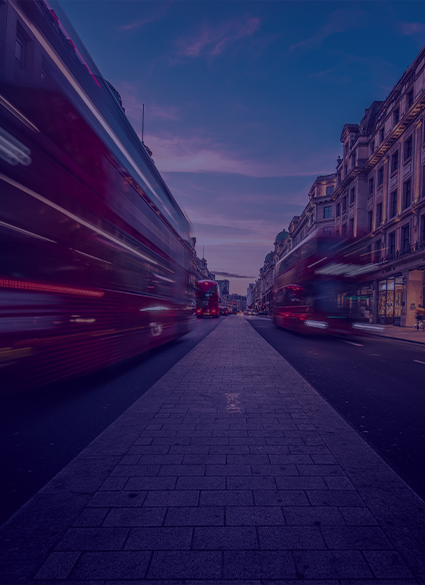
(207, 296)
(96, 260)
(314, 288)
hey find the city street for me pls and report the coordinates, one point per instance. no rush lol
(230, 468)
(375, 383)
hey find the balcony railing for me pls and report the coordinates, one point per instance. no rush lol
(405, 251)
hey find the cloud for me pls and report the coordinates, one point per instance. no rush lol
(178, 154)
(413, 28)
(215, 40)
(338, 22)
(416, 30)
(228, 275)
(248, 257)
(159, 9)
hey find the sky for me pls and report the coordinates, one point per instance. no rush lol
(245, 101)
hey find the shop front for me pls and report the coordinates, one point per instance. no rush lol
(390, 299)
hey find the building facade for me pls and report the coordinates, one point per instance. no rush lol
(376, 199)
(380, 196)
(224, 286)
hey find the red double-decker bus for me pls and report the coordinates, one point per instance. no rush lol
(207, 296)
(315, 286)
(96, 260)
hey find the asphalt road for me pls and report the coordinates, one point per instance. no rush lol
(43, 430)
(376, 384)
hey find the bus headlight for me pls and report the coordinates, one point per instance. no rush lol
(370, 327)
(316, 324)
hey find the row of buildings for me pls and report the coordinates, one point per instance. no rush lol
(375, 196)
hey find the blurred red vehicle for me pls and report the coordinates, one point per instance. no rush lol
(312, 288)
(207, 299)
(96, 261)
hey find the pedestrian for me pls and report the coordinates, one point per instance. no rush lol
(420, 316)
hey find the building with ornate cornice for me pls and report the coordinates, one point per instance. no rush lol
(380, 196)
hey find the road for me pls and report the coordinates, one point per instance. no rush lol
(43, 430)
(377, 384)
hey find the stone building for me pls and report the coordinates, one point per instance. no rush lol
(376, 198)
(380, 196)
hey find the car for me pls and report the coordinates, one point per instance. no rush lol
(224, 311)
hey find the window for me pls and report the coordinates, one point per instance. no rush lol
(372, 147)
(20, 49)
(327, 212)
(380, 176)
(330, 190)
(345, 170)
(327, 231)
(371, 186)
(351, 232)
(344, 204)
(378, 214)
(381, 135)
(405, 240)
(391, 244)
(353, 160)
(408, 148)
(393, 203)
(344, 229)
(394, 161)
(369, 220)
(409, 98)
(423, 228)
(338, 209)
(396, 116)
(352, 195)
(407, 193)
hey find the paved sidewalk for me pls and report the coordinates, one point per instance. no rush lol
(404, 333)
(230, 469)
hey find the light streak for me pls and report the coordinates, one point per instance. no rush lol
(11, 108)
(25, 232)
(316, 324)
(85, 98)
(54, 288)
(12, 151)
(73, 216)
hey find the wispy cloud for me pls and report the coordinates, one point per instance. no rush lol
(229, 275)
(413, 28)
(158, 9)
(338, 22)
(416, 30)
(214, 41)
(200, 155)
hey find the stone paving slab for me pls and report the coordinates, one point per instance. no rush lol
(230, 469)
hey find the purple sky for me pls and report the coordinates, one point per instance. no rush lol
(245, 101)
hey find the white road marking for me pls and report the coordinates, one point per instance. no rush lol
(419, 362)
(352, 343)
